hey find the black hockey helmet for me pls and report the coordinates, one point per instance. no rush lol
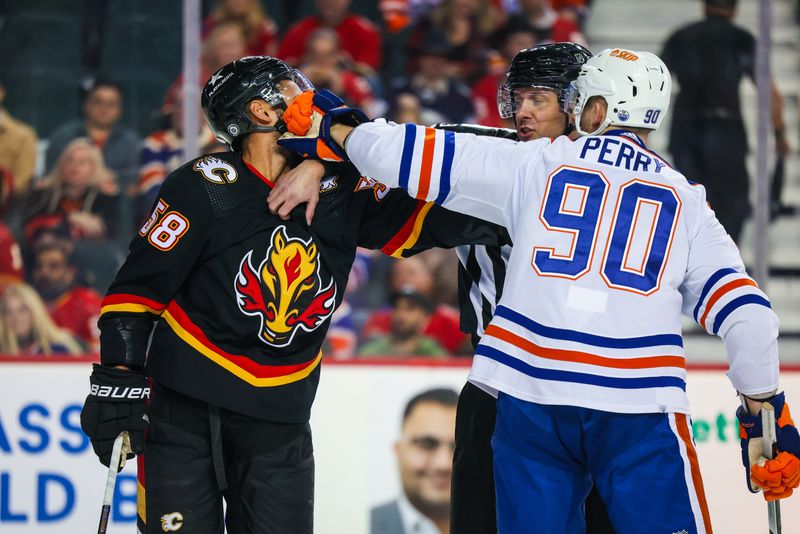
(551, 66)
(230, 88)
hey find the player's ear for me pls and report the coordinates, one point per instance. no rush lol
(262, 113)
(596, 107)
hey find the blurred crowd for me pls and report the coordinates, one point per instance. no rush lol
(73, 196)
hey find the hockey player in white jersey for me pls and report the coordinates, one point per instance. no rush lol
(585, 351)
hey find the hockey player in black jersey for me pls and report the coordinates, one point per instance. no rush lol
(532, 96)
(220, 311)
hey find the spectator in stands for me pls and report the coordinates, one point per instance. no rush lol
(443, 324)
(708, 140)
(465, 26)
(27, 329)
(396, 14)
(407, 108)
(79, 195)
(225, 42)
(517, 34)
(327, 67)
(11, 268)
(162, 153)
(102, 110)
(424, 458)
(578, 7)
(72, 306)
(551, 25)
(358, 36)
(260, 32)
(17, 148)
(444, 98)
(342, 338)
(410, 314)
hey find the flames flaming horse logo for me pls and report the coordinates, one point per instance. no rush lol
(286, 291)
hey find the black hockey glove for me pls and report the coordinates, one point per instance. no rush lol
(117, 402)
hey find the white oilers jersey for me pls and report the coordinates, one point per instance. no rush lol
(611, 245)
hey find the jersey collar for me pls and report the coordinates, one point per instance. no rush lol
(260, 176)
(627, 133)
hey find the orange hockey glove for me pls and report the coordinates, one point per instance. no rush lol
(780, 476)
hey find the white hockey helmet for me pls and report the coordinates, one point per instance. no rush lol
(636, 86)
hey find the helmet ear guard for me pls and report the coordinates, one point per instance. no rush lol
(636, 86)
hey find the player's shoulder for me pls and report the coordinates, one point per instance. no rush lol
(688, 191)
(219, 168)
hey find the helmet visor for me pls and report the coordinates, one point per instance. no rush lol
(572, 96)
(279, 92)
(505, 104)
(510, 100)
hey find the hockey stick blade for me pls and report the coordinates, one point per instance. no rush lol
(768, 442)
(111, 480)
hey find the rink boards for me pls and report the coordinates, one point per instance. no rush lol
(50, 481)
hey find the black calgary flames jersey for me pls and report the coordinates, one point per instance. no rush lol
(240, 299)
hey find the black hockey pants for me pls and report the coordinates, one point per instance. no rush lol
(196, 455)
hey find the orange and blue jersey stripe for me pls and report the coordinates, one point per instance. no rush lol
(723, 283)
(429, 168)
(527, 346)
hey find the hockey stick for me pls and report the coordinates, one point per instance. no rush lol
(768, 442)
(113, 467)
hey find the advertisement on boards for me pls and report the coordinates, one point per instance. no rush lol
(51, 481)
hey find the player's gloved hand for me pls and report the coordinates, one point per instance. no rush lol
(780, 476)
(308, 121)
(117, 402)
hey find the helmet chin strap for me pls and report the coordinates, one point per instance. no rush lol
(567, 126)
(280, 126)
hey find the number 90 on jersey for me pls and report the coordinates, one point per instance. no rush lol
(640, 236)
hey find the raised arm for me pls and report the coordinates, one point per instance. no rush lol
(479, 176)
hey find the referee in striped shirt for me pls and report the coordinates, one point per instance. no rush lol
(533, 96)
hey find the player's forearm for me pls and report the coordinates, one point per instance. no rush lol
(751, 342)
(339, 133)
(123, 339)
(458, 171)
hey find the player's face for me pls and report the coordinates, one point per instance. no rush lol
(289, 90)
(538, 113)
(17, 316)
(425, 456)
